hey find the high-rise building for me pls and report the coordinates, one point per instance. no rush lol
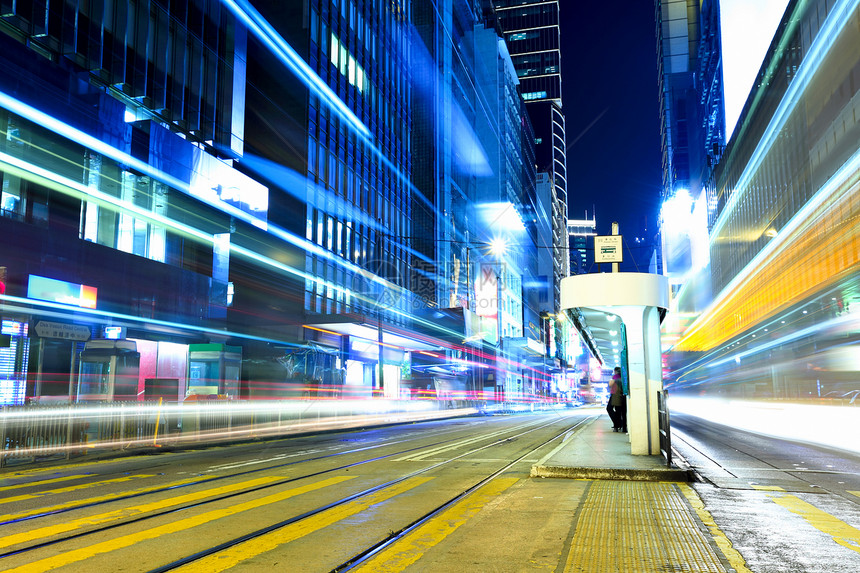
(692, 122)
(581, 233)
(533, 35)
(228, 195)
(783, 229)
(532, 31)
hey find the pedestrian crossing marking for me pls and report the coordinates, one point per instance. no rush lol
(180, 525)
(767, 487)
(52, 530)
(108, 497)
(42, 482)
(71, 488)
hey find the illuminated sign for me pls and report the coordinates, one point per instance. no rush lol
(114, 332)
(42, 288)
(607, 249)
(487, 292)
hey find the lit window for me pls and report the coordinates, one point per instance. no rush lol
(335, 46)
(534, 95)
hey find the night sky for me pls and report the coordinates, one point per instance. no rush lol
(609, 86)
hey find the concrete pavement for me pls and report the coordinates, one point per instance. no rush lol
(596, 452)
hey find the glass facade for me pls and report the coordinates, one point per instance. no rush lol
(294, 198)
(783, 226)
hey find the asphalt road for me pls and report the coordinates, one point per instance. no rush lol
(450, 495)
(787, 507)
(309, 503)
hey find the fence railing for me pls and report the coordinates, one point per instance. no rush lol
(665, 433)
(38, 430)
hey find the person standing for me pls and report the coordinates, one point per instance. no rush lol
(617, 406)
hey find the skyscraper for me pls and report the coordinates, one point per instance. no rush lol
(533, 35)
(692, 119)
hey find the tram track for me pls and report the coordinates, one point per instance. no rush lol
(736, 446)
(510, 434)
(213, 479)
(392, 536)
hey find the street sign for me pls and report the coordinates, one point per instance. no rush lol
(45, 329)
(607, 249)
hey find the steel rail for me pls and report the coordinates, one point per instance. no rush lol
(153, 515)
(270, 528)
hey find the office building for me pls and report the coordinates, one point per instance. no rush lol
(581, 233)
(782, 238)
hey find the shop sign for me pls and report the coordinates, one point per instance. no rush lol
(43, 288)
(45, 329)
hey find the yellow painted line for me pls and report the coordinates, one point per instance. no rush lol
(768, 488)
(254, 547)
(842, 533)
(51, 530)
(174, 527)
(406, 551)
(71, 488)
(108, 497)
(43, 482)
(731, 554)
(857, 493)
(58, 468)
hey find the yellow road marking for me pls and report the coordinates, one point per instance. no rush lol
(51, 530)
(108, 497)
(71, 488)
(842, 533)
(857, 493)
(238, 553)
(768, 488)
(410, 548)
(43, 482)
(731, 554)
(173, 527)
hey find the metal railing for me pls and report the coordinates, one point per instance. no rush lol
(37, 431)
(665, 434)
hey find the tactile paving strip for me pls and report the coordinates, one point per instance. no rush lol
(646, 527)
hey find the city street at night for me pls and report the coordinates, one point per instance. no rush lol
(430, 285)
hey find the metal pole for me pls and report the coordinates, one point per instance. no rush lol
(380, 379)
(614, 232)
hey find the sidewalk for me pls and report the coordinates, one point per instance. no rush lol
(596, 452)
(633, 513)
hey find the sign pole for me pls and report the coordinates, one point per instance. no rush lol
(614, 233)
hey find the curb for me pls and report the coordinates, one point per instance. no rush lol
(627, 474)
